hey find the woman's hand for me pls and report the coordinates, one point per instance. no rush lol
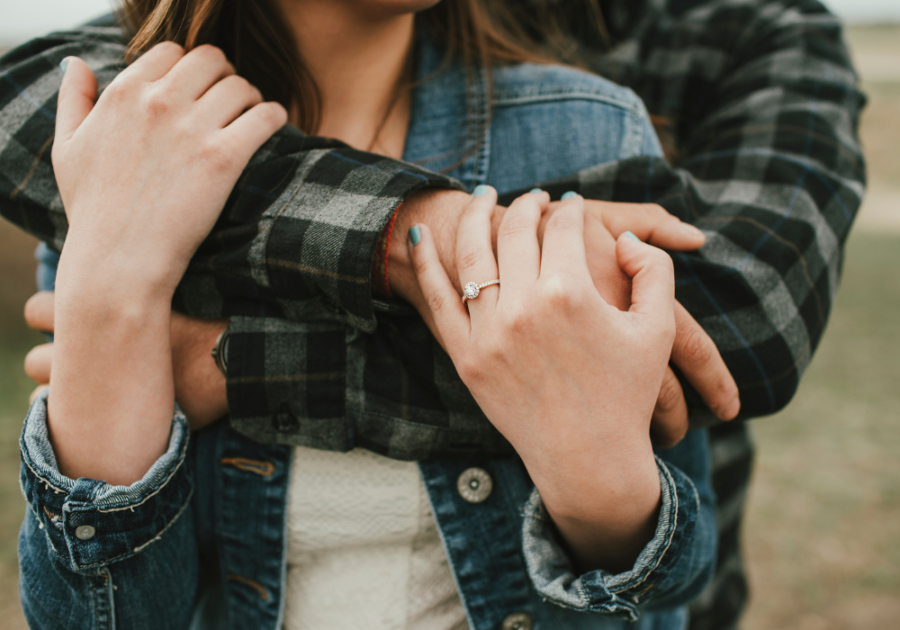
(143, 174)
(570, 380)
(694, 352)
(199, 384)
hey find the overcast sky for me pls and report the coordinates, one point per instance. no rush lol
(21, 19)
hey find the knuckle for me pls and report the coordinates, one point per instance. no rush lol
(436, 302)
(119, 90)
(421, 265)
(661, 260)
(514, 226)
(467, 260)
(656, 211)
(158, 103)
(273, 114)
(211, 53)
(519, 320)
(664, 260)
(238, 82)
(471, 371)
(217, 157)
(558, 294)
(562, 221)
(695, 347)
(169, 47)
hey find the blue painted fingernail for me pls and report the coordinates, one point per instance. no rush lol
(481, 190)
(64, 64)
(535, 191)
(569, 195)
(415, 235)
(631, 235)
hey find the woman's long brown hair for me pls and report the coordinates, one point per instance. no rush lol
(255, 37)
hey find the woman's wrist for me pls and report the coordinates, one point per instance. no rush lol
(604, 506)
(615, 484)
(100, 269)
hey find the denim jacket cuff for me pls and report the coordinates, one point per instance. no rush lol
(554, 577)
(91, 524)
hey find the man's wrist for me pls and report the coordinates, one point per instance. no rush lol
(440, 210)
(380, 262)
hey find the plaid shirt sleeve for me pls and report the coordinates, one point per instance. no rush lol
(764, 107)
(296, 237)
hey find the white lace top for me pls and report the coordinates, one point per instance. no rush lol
(363, 547)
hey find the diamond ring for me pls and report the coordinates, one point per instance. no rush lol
(471, 290)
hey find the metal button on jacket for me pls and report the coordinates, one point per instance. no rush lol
(518, 621)
(475, 485)
(85, 532)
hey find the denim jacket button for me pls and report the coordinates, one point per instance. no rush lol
(518, 621)
(475, 485)
(84, 532)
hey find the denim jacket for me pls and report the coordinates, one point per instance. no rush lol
(200, 541)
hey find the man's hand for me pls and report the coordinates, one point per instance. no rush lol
(199, 385)
(694, 352)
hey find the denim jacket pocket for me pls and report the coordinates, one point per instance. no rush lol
(90, 524)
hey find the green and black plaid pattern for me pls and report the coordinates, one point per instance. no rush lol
(763, 105)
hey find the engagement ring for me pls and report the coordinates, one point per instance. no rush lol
(471, 290)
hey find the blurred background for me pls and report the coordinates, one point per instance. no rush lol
(822, 537)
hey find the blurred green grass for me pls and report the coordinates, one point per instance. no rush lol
(823, 525)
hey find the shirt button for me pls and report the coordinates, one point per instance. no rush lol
(475, 485)
(84, 532)
(285, 421)
(518, 621)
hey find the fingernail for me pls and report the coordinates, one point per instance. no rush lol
(535, 191)
(415, 235)
(64, 64)
(481, 190)
(732, 408)
(568, 195)
(690, 230)
(631, 235)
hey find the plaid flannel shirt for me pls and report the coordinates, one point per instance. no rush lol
(764, 107)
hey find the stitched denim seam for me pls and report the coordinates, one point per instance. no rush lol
(670, 535)
(141, 547)
(153, 493)
(514, 98)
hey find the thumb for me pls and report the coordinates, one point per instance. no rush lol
(652, 279)
(77, 96)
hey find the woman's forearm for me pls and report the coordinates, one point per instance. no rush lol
(112, 393)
